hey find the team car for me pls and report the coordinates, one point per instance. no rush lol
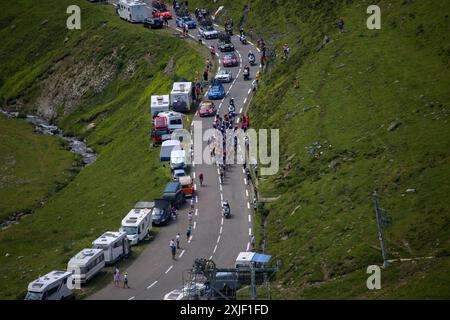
(225, 44)
(180, 21)
(216, 92)
(153, 23)
(208, 32)
(207, 109)
(160, 10)
(224, 76)
(230, 60)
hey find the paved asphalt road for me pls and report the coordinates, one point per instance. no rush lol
(154, 273)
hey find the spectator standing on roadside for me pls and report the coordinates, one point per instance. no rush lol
(341, 24)
(188, 232)
(125, 280)
(173, 248)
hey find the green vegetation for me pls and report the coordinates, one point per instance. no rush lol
(345, 96)
(128, 170)
(33, 166)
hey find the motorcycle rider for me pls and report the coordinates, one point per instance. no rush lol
(246, 72)
(226, 206)
(251, 57)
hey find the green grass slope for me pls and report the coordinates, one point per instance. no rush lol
(345, 97)
(127, 170)
(35, 170)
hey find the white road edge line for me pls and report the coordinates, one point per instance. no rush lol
(215, 248)
(218, 239)
(181, 254)
(132, 298)
(249, 231)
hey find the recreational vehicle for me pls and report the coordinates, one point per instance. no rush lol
(159, 104)
(115, 245)
(137, 224)
(167, 148)
(181, 96)
(52, 286)
(86, 264)
(132, 10)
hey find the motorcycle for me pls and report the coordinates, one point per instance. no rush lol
(251, 59)
(226, 211)
(243, 39)
(229, 29)
(246, 74)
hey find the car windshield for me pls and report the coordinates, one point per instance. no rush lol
(180, 174)
(230, 56)
(33, 295)
(130, 231)
(216, 87)
(187, 19)
(158, 212)
(206, 105)
(209, 28)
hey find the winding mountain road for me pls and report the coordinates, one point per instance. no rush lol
(154, 273)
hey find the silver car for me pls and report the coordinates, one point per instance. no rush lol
(208, 32)
(224, 76)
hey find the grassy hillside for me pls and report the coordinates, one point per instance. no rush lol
(33, 171)
(345, 97)
(98, 82)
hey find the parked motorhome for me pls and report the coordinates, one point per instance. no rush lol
(137, 224)
(132, 10)
(115, 245)
(247, 259)
(181, 96)
(52, 286)
(160, 103)
(167, 147)
(86, 264)
(144, 205)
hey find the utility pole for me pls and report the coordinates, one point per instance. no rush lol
(253, 281)
(379, 215)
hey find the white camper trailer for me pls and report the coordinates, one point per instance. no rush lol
(159, 104)
(132, 10)
(181, 96)
(178, 159)
(86, 264)
(137, 224)
(52, 286)
(115, 245)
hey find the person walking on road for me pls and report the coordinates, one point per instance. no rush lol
(178, 240)
(200, 177)
(188, 232)
(173, 248)
(125, 280)
(117, 278)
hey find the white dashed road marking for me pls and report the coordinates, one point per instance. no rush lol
(249, 218)
(132, 298)
(249, 231)
(218, 239)
(215, 248)
(248, 205)
(181, 254)
(196, 212)
(152, 284)
(170, 268)
(195, 224)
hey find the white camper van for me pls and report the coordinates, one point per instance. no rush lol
(174, 120)
(181, 96)
(132, 10)
(159, 104)
(167, 147)
(247, 259)
(137, 224)
(52, 286)
(178, 159)
(86, 264)
(115, 245)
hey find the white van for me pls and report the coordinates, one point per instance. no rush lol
(174, 120)
(86, 264)
(181, 96)
(115, 245)
(132, 10)
(52, 286)
(159, 104)
(178, 159)
(137, 224)
(167, 147)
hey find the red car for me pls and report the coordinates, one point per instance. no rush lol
(207, 109)
(230, 60)
(157, 13)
